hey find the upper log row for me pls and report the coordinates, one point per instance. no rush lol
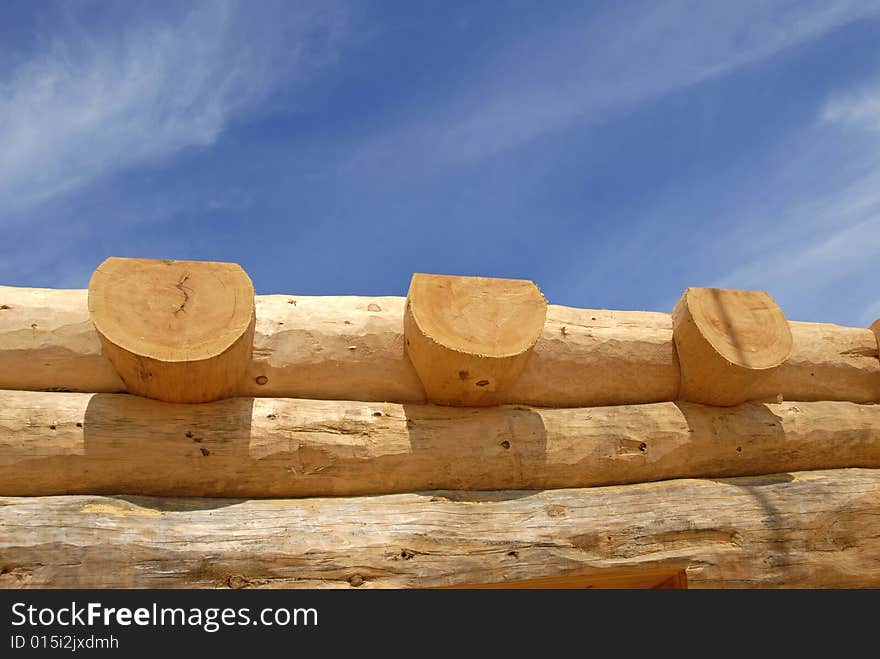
(353, 348)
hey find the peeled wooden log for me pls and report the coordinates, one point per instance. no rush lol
(178, 331)
(469, 338)
(816, 529)
(588, 357)
(827, 362)
(56, 443)
(348, 348)
(48, 342)
(729, 343)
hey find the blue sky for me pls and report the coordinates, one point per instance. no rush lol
(615, 153)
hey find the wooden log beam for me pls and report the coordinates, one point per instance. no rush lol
(729, 344)
(348, 348)
(178, 331)
(57, 443)
(470, 338)
(812, 529)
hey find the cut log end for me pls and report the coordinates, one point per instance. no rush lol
(728, 342)
(180, 331)
(478, 315)
(469, 337)
(747, 328)
(875, 327)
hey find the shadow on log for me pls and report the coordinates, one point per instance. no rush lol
(54, 443)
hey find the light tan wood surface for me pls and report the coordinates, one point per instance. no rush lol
(56, 443)
(179, 331)
(728, 343)
(469, 337)
(798, 530)
(348, 348)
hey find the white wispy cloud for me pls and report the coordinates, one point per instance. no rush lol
(593, 65)
(829, 275)
(860, 109)
(826, 243)
(800, 227)
(800, 218)
(88, 103)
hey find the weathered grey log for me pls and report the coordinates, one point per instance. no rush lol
(352, 348)
(814, 529)
(66, 443)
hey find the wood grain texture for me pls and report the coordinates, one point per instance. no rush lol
(469, 338)
(178, 331)
(57, 443)
(347, 348)
(729, 342)
(47, 341)
(813, 530)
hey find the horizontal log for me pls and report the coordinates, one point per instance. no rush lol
(351, 348)
(811, 529)
(66, 443)
(48, 342)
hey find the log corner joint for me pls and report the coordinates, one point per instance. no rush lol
(177, 331)
(729, 342)
(469, 338)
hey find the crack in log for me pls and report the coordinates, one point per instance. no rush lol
(859, 352)
(181, 286)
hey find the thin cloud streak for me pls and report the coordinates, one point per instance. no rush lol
(801, 219)
(91, 105)
(860, 109)
(830, 243)
(588, 68)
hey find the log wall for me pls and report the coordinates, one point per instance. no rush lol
(351, 348)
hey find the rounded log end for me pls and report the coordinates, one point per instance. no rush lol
(727, 342)
(478, 315)
(747, 328)
(469, 337)
(180, 331)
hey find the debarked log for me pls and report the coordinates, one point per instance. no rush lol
(352, 348)
(730, 344)
(69, 443)
(178, 331)
(469, 338)
(811, 529)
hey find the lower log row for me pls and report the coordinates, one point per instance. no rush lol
(69, 443)
(346, 348)
(812, 529)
